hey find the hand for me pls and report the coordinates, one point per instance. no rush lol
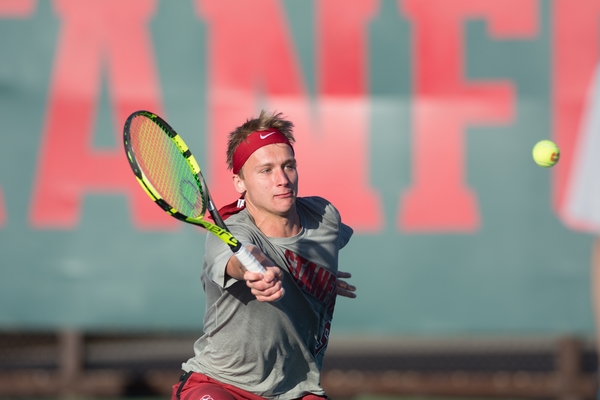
(344, 288)
(267, 286)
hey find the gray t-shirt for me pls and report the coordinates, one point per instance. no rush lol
(275, 349)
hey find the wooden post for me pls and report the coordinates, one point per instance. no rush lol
(71, 359)
(568, 368)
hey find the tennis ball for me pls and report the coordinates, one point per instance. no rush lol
(546, 153)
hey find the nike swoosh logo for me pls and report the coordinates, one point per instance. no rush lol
(266, 136)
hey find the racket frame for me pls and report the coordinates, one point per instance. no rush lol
(220, 228)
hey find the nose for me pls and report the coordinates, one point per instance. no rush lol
(281, 177)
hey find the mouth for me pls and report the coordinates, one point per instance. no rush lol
(285, 195)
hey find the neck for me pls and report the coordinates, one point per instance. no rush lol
(274, 225)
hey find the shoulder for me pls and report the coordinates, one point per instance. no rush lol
(326, 214)
(241, 226)
(317, 205)
(318, 210)
(241, 222)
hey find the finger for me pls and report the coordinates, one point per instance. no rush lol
(345, 285)
(272, 274)
(261, 289)
(342, 274)
(272, 297)
(346, 293)
(260, 286)
(252, 276)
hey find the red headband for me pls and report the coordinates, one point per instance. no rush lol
(253, 142)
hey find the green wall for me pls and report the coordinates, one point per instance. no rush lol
(522, 271)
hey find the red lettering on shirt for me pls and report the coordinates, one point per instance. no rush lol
(313, 279)
(324, 338)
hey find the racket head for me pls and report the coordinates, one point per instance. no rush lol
(164, 166)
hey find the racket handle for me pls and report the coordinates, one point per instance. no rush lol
(249, 261)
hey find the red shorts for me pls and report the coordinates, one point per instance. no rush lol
(197, 386)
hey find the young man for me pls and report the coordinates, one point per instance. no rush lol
(265, 335)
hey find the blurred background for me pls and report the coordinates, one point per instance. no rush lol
(417, 118)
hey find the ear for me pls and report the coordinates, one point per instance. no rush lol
(238, 184)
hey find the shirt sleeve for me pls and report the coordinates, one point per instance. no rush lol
(345, 234)
(217, 253)
(331, 218)
(216, 256)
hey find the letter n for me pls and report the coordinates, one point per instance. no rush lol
(252, 63)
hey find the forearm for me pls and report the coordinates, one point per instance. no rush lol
(236, 270)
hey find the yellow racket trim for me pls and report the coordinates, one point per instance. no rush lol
(221, 233)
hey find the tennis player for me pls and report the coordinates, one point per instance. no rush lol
(265, 335)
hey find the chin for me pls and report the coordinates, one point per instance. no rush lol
(285, 207)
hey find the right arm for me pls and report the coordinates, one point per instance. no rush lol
(267, 286)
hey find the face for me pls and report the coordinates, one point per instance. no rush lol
(270, 180)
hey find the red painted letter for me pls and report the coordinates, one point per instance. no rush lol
(17, 8)
(576, 57)
(333, 141)
(94, 34)
(446, 104)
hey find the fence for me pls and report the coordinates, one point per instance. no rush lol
(71, 363)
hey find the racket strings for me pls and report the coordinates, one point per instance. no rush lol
(166, 168)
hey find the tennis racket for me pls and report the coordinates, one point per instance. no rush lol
(168, 172)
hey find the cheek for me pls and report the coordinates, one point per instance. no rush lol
(293, 177)
(260, 186)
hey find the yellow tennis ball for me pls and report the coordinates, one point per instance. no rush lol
(546, 153)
